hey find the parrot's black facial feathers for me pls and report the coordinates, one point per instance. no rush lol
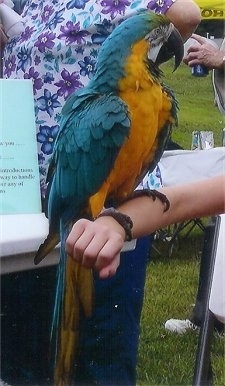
(154, 69)
(174, 46)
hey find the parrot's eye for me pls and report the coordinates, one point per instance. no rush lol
(159, 34)
(157, 31)
(155, 34)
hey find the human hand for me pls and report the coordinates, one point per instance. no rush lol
(203, 52)
(97, 244)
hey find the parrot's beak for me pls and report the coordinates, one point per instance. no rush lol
(174, 46)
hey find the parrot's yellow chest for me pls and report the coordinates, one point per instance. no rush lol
(149, 109)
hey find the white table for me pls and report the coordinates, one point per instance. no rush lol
(20, 237)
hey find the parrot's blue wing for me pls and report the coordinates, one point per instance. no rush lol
(90, 138)
(93, 129)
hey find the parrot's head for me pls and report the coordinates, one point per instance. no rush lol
(165, 42)
(152, 37)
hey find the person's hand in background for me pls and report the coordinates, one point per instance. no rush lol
(205, 53)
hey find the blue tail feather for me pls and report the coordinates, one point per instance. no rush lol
(60, 288)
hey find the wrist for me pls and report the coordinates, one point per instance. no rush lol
(112, 225)
(122, 222)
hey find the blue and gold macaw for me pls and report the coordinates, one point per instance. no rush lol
(112, 132)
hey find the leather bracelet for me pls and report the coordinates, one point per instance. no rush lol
(124, 220)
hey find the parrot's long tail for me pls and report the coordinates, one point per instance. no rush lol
(60, 286)
(74, 300)
(48, 245)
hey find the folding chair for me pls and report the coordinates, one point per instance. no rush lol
(172, 234)
(202, 140)
(203, 375)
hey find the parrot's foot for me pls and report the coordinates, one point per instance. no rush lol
(153, 194)
(124, 220)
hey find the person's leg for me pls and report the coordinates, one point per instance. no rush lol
(110, 338)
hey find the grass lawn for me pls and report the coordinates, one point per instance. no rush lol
(196, 102)
(171, 284)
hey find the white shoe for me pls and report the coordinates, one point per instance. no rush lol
(180, 326)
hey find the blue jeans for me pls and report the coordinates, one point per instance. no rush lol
(110, 342)
(27, 300)
(110, 337)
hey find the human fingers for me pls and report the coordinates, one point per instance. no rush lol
(76, 232)
(192, 59)
(88, 245)
(193, 48)
(97, 247)
(191, 54)
(93, 245)
(110, 270)
(198, 38)
(109, 255)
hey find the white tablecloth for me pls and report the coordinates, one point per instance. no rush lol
(20, 237)
(182, 166)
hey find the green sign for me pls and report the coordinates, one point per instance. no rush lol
(19, 173)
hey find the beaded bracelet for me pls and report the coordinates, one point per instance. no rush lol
(124, 220)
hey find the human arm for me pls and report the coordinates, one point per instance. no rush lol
(185, 21)
(3, 37)
(17, 6)
(187, 201)
(204, 53)
(98, 244)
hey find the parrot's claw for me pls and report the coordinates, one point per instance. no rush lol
(153, 194)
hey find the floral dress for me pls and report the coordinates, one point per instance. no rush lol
(58, 50)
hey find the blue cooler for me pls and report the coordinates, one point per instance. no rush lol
(199, 70)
